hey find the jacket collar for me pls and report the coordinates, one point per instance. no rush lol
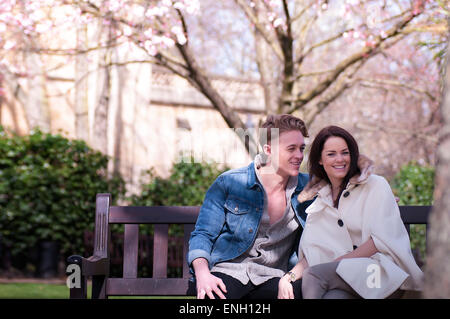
(316, 184)
(251, 176)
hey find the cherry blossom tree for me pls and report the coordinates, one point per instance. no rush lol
(306, 52)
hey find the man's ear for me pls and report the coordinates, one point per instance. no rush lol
(267, 149)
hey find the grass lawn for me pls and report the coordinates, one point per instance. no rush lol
(49, 291)
(33, 291)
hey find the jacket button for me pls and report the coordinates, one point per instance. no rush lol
(340, 222)
(236, 209)
(250, 230)
(354, 247)
(346, 194)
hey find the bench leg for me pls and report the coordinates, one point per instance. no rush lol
(99, 287)
(79, 293)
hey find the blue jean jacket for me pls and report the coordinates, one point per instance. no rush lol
(230, 215)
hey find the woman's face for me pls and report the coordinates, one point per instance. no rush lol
(335, 159)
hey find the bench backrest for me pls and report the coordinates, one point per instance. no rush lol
(161, 217)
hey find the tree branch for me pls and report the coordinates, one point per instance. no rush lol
(343, 83)
(260, 28)
(380, 82)
(343, 65)
(391, 130)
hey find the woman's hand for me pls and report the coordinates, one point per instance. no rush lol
(367, 249)
(285, 289)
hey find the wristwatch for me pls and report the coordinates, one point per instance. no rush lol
(291, 276)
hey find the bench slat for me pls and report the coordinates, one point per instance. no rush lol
(147, 287)
(153, 215)
(160, 248)
(415, 214)
(188, 229)
(130, 250)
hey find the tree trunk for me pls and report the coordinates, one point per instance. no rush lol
(36, 106)
(102, 108)
(122, 76)
(437, 273)
(266, 61)
(81, 87)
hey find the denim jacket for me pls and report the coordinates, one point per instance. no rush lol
(230, 215)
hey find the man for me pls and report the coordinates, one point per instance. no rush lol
(250, 221)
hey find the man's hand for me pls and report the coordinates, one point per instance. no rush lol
(207, 283)
(285, 289)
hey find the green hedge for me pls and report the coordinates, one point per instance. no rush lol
(48, 185)
(186, 185)
(414, 185)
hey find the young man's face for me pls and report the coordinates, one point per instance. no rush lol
(287, 153)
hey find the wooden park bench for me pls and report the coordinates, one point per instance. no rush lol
(97, 266)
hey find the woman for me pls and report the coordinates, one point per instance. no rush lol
(354, 244)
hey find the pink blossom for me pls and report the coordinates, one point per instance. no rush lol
(179, 5)
(181, 38)
(9, 45)
(277, 22)
(151, 49)
(127, 31)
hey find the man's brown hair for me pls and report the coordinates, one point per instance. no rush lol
(282, 122)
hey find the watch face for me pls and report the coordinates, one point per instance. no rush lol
(291, 276)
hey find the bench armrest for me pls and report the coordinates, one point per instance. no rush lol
(95, 265)
(91, 266)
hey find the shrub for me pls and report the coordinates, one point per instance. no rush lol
(414, 185)
(48, 185)
(186, 185)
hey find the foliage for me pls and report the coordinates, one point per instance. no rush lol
(48, 186)
(186, 185)
(414, 185)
